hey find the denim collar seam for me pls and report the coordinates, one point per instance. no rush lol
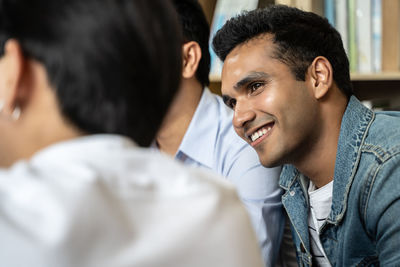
(377, 151)
(381, 153)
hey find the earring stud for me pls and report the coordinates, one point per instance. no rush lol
(16, 113)
(1, 105)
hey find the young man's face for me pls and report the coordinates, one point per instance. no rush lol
(273, 111)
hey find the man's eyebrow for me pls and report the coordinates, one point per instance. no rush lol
(251, 77)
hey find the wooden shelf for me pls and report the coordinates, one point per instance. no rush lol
(382, 76)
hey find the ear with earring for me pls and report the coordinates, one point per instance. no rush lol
(15, 114)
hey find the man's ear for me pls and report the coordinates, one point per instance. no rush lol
(191, 54)
(12, 65)
(320, 74)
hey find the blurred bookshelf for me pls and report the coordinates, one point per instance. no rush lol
(370, 31)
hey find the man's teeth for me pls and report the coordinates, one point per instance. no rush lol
(260, 133)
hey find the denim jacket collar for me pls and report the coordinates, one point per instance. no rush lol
(354, 127)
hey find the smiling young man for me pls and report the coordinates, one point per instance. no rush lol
(286, 76)
(198, 131)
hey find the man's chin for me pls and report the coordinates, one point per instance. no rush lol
(269, 162)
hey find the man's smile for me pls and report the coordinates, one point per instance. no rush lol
(258, 135)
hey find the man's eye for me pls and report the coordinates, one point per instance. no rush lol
(254, 86)
(232, 103)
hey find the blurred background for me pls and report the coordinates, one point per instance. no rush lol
(370, 31)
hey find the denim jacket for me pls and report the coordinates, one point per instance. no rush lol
(363, 227)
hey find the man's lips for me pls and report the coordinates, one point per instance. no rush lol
(256, 136)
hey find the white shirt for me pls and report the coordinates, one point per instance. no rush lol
(102, 201)
(320, 207)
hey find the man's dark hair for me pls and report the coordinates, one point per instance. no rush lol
(300, 38)
(115, 65)
(195, 28)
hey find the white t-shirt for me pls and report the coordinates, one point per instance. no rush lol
(102, 201)
(320, 207)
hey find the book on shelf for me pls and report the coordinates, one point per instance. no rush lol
(359, 23)
(353, 55)
(341, 22)
(364, 36)
(329, 11)
(376, 6)
(370, 32)
(390, 35)
(224, 10)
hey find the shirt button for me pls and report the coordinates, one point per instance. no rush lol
(292, 193)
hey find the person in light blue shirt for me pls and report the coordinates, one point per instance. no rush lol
(198, 131)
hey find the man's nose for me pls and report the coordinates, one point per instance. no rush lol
(243, 114)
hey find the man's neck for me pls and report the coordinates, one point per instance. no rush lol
(179, 116)
(318, 163)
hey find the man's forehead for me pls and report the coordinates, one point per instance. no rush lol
(247, 60)
(251, 52)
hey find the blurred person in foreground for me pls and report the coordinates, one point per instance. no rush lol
(83, 84)
(198, 132)
(286, 73)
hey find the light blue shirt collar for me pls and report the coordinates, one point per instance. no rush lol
(202, 130)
